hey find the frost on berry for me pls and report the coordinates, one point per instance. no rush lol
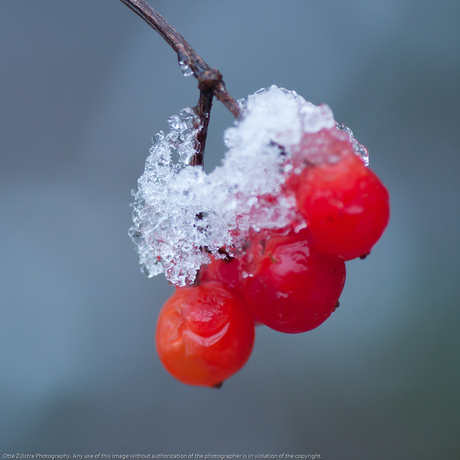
(359, 149)
(182, 215)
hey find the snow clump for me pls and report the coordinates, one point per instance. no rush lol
(182, 215)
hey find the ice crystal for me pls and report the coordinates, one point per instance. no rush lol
(185, 68)
(357, 147)
(182, 215)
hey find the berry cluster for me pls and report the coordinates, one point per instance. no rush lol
(289, 279)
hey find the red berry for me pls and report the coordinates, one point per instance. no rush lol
(223, 270)
(344, 203)
(289, 287)
(204, 334)
(226, 272)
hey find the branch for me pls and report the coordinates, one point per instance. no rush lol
(209, 80)
(203, 110)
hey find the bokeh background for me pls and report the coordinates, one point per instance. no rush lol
(84, 86)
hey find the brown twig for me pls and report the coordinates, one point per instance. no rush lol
(210, 81)
(203, 110)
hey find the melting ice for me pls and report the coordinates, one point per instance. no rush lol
(181, 214)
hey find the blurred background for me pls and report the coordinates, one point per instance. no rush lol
(84, 86)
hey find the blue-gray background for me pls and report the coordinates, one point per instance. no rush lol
(84, 85)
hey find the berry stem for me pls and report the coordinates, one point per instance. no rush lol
(210, 81)
(203, 110)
